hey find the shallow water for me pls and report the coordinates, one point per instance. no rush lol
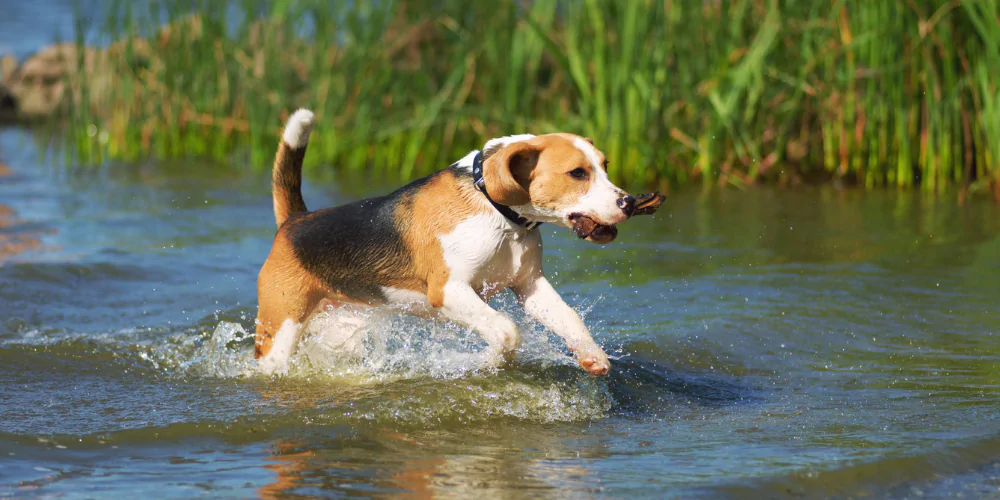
(765, 342)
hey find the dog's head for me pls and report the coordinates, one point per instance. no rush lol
(559, 179)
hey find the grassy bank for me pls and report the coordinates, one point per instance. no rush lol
(882, 93)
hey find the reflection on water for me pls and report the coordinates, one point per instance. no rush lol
(299, 466)
(764, 343)
(14, 240)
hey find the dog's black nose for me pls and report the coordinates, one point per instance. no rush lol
(627, 204)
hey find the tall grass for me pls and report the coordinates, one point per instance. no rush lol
(881, 93)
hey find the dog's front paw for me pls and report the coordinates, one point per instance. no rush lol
(594, 362)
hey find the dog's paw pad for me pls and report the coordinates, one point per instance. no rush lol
(595, 366)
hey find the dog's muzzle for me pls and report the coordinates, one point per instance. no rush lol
(627, 204)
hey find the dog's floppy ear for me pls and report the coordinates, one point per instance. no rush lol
(507, 172)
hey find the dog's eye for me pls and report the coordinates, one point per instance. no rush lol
(578, 173)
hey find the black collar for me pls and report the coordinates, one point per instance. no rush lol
(480, 184)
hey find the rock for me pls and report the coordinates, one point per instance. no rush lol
(8, 65)
(47, 83)
(41, 85)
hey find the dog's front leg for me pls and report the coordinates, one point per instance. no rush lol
(461, 303)
(543, 302)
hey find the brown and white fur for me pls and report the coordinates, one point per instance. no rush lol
(436, 244)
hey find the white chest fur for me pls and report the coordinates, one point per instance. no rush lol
(489, 253)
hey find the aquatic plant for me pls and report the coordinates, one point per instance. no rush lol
(889, 93)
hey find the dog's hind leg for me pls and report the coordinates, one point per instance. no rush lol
(340, 327)
(281, 317)
(285, 301)
(281, 344)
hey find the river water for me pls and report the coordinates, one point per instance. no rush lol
(766, 343)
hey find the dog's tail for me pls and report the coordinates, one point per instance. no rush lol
(286, 183)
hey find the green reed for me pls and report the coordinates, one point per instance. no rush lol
(890, 93)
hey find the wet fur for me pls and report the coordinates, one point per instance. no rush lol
(435, 240)
(359, 248)
(352, 252)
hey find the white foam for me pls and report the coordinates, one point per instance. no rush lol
(358, 346)
(344, 345)
(368, 364)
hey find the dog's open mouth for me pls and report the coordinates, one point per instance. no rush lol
(590, 230)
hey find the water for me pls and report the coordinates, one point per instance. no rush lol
(765, 342)
(27, 26)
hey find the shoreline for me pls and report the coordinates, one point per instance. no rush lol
(399, 98)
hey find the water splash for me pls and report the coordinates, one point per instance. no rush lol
(381, 365)
(354, 346)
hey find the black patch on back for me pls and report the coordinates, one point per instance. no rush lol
(460, 174)
(356, 248)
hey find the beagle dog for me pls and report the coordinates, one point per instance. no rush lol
(445, 243)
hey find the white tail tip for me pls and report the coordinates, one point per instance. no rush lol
(298, 128)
